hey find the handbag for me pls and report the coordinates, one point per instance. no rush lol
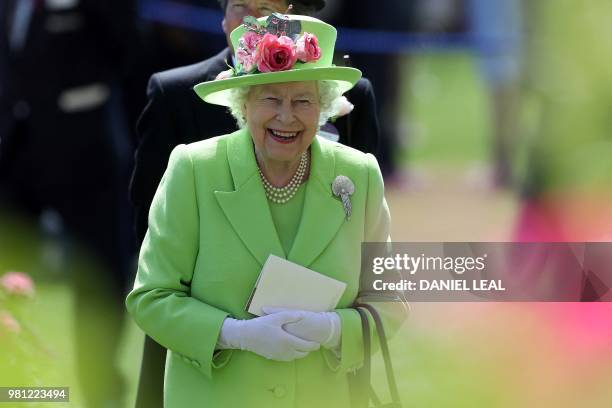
(360, 382)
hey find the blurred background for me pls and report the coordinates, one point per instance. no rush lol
(495, 120)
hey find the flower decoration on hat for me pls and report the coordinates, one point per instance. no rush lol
(276, 49)
(276, 44)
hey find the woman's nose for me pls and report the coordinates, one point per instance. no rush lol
(285, 112)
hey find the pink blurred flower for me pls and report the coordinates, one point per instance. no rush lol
(275, 53)
(17, 283)
(8, 322)
(307, 48)
(584, 329)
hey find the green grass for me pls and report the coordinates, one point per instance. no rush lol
(44, 351)
(433, 373)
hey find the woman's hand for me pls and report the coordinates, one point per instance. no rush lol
(321, 327)
(265, 336)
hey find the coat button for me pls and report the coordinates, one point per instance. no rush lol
(279, 391)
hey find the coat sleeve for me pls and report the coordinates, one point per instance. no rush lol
(392, 309)
(160, 301)
(156, 139)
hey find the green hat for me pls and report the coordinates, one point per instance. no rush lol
(279, 48)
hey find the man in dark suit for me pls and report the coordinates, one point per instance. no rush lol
(174, 114)
(61, 149)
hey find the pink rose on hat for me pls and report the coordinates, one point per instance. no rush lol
(249, 41)
(275, 53)
(246, 59)
(307, 48)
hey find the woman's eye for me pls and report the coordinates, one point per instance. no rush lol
(303, 101)
(270, 99)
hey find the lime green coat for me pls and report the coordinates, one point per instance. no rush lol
(210, 231)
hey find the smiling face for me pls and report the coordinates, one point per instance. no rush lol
(283, 119)
(236, 10)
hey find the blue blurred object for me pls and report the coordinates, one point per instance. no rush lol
(182, 15)
(349, 40)
(496, 26)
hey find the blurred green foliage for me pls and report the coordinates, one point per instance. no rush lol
(568, 74)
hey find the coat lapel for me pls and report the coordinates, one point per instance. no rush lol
(246, 207)
(323, 213)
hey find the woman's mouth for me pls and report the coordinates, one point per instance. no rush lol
(283, 136)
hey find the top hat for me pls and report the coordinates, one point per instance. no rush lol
(316, 5)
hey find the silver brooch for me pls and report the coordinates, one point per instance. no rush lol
(343, 188)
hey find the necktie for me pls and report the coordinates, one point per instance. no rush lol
(20, 23)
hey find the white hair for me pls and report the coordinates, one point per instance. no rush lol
(329, 102)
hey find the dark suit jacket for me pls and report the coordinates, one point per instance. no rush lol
(174, 114)
(60, 82)
(60, 148)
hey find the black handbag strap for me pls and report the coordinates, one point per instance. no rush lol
(384, 347)
(366, 369)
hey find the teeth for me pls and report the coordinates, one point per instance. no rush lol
(283, 134)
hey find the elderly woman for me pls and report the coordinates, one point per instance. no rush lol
(271, 188)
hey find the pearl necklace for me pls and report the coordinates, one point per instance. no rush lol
(281, 195)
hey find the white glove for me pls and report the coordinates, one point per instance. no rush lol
(323, 327)
(265, 336)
